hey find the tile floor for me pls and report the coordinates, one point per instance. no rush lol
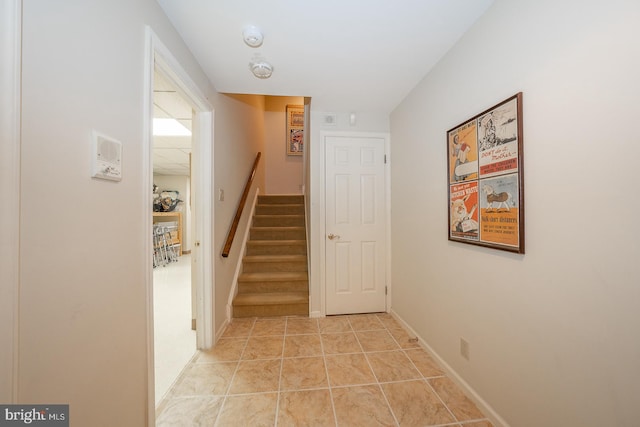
(358, 370)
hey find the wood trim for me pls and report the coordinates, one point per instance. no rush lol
(243, 201)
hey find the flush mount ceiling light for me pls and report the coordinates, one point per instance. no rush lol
(261, 69)
(169, 127)
(252, 36)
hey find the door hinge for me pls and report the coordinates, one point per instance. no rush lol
(386, 290)
(385, 159)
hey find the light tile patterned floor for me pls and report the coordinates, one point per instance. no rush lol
(358, 370)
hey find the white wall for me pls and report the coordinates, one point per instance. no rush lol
(553, 334)
(283, 173)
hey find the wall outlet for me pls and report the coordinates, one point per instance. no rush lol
(464, 348)
(329, 119)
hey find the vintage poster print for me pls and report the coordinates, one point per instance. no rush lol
(297, 117)
(295, 130)
(463, 153)
(485, 178)
(498, 140)
(499, 210)
(464, 210)
(295, 141)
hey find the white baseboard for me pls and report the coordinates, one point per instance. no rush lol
(315, 314)
(484, 407)
(220, 330)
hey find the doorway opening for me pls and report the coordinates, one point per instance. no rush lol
(173, 294)
(160, 61)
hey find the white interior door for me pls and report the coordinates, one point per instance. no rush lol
(355, 224)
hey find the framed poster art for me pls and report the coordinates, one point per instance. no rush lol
(295, 130)
(485, 178)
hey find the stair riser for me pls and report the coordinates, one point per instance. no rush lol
(290, 200)
(271, 310)
(272, 267)
(278, 221)
(279, 209)
(258, 234)
(263, 287)
(276, 249)
(275, 286)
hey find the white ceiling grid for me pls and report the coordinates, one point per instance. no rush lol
(170, 153)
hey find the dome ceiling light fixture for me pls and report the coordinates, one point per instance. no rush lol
(261, 69)
(252, 36)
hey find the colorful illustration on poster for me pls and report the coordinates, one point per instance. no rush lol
(498, 140)
(464, 210)
(463, 153)
(295, 140)
(499, 210)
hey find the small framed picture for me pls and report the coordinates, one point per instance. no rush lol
(295, 130)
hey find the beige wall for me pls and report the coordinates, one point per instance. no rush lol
(239, 136)
(283, 173)
(83, 306)
(10, 22)
(553, 334)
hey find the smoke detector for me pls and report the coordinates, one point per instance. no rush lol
(252, 36)
(261, 69)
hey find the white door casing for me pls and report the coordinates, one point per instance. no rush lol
(201, 248)
(355, 224)
(157, 55)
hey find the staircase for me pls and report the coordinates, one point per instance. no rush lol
(274, 279)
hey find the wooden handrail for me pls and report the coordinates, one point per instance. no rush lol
(243, 201)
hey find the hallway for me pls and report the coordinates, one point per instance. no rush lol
(358, 370)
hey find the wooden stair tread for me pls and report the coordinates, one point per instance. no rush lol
(281, 205)
(280, 198)
(289, 227)
(274, 258)
(272, 298)
(276, 242)
(274, 276)
(278, 216)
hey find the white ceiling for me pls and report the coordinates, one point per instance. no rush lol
(347, 55)
(170, 153)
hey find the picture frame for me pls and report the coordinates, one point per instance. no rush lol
(485, 178)
(295, 130)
